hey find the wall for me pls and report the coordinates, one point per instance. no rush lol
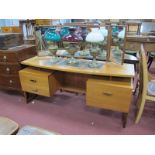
(9, 22)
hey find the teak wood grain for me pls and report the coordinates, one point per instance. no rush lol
(109, 94)
(38, 82)
(108, 69)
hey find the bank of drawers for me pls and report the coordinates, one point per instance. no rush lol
(9, 76)
(10, 65)
(37, 82)
(9, 68)
(8, 57)
(111, 95)
(11, 81)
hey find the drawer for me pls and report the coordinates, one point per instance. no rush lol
(36, 89)
(109, 95)
(10, 82)
(34, 77)
(34, 80)
(38, 82)
(9, 69)
(8, 57)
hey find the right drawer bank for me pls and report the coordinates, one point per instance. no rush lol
(109, 94)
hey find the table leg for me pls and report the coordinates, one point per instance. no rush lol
(29, 97)
(124, 119)
(150, 60)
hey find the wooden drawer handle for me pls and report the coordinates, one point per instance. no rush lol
(8, 69)
(10, 81)
(4, 58)
(107, 93)
(33, 81)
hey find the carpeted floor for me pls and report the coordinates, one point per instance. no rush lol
(66, 113)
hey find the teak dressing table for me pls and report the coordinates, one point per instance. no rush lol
(109, 87)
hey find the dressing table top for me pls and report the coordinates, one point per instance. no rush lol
(107, 68)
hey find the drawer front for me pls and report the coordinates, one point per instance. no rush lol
(8, 57)
(35, 89)
(105, 95)
(10, 82)
(9, 69)
(34, 80)
(34, 83)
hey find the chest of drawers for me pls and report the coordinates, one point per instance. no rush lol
(10, 65)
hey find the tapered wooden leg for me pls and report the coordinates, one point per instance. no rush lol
(29, 97)
(124, 119)
(137, 85)
(150, 60)
(26, 96)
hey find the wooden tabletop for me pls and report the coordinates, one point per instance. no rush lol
(17, 48)
(108, 68)
(141, 38)
(133, 22)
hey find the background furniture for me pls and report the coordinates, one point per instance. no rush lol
(27, 27)
(11, 29)
(150, 49)
(146, 86)
(140, 38)
(133, 27)
(43, 21)
(8, 126)
(132, 48)
(150, 58)
(148, 28)
(10, 65)
(8, 40)
(149, 45)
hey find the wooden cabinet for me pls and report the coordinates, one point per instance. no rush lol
(10, 82)
(8, 57)
(43, 21)
(8, 40)
(38, 82)
(114, 95)
(10, 65)
(9, 68)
